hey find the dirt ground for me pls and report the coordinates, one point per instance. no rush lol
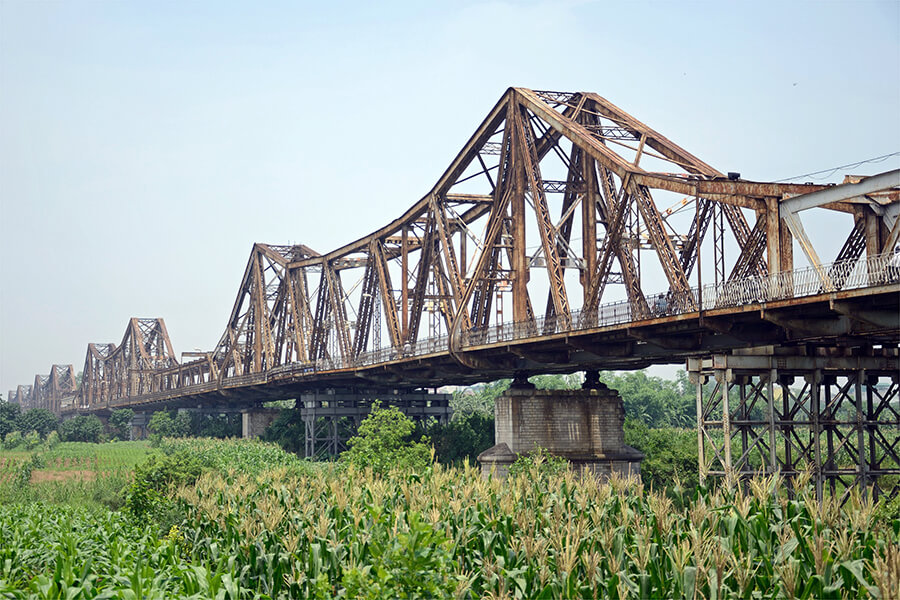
(40, 475)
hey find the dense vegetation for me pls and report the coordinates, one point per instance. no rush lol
(253, 521)
(70, 472)
(211, 518)
(660, 424)
(18, 428)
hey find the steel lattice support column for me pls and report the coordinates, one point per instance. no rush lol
(788, 411)
(332, 417)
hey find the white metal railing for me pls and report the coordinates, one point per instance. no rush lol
(840, 275)
(873, 271)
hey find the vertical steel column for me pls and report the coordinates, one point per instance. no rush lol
(815, 381)
(862, 475)
(744, 419)
(830, 427)
(404, 282)
(785, 426)
(770, 387)
(718, 225)
(722, 378)
(871, 426)
(701, 428)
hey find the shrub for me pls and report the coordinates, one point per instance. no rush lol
(120, 423)
(83, 428)
(35, 462)
(12, 440)
(109, 489)
(538, 464)
(147, 496)
(37, 419)
(32, 440)
(382, 442)
(888, 510)
(52, 439)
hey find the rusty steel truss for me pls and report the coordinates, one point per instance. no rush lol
(130, 369)
(834, 415)
(561, 217)
(50, 392)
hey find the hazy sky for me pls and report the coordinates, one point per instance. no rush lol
(144, 147)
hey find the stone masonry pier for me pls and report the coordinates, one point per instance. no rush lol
(583, 426)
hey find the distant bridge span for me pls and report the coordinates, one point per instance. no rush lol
(566, 235)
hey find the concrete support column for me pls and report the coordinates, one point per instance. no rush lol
(584, 426)
(139, 423)
(254, 421)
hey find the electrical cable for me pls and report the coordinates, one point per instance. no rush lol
(829, 172)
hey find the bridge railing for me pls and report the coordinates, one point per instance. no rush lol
(842, 275)
(810, 281)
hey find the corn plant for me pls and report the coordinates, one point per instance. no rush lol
(335, 531)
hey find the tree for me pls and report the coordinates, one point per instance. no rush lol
(9, 415)
(120, 423)
(37, 419)
(466, 436)
(383, 443)
(218, 426)
(478, 399)
(182, 424)
(162, 424)
(288, 431)
(655, 401)
(557, 382)
(83, 428)
(670, 454)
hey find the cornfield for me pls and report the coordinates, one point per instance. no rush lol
(333, 532)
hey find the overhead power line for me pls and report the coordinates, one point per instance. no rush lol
(828, 172)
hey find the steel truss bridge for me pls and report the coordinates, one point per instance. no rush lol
(566, 235)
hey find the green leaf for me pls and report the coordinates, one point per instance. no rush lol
(690, 581)
(855, 568)
(785, 550)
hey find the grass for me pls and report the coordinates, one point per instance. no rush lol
(81, 455)
(74, 473)
(240, 455)
(112, 455)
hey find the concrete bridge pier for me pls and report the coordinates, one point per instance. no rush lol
(254, 421)
(139, 423)
(583, 426)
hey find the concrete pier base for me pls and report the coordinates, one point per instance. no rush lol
(583, 426)
(139, 423)
(254, 421)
